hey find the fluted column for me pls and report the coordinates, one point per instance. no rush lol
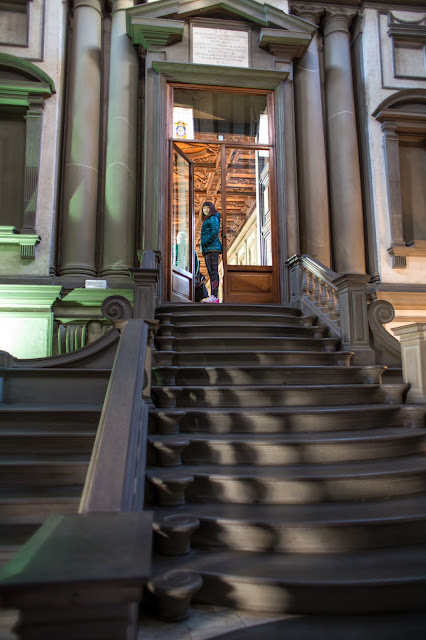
(120, 182)
(311, 155)
(79, 209)
(343, 160)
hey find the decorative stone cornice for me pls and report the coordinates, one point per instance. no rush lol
(284, 44)
(155, 31)
(26, 241)
(28, 296)
(263, 15)
(208, 74)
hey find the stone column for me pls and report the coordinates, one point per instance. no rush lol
(311, 155)
(119, 251)
(79, 207)
(343, 157)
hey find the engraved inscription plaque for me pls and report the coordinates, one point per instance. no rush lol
(222, 47)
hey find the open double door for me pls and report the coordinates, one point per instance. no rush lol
(234, 172)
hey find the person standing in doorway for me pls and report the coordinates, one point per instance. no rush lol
(211, 247)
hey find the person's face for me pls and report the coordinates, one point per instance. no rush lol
(206, 209)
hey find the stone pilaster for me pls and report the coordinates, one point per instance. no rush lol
(311, 155)
(413, 353)
(343, 156)
(80, 195)
(33, 118)
(120, 184)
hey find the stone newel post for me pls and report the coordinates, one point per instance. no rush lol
(413, 353)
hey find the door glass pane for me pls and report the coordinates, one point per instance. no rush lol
(229, 117)
(248, 214)
(181, 212)
(207, 183)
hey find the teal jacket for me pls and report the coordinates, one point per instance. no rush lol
(210, 234)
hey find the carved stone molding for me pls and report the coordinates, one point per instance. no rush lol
(117, 309)
(284, 44)
(310, 13)
(338, 20)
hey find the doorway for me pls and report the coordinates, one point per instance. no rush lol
(221, 151)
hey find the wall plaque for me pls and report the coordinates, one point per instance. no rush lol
(222, 47)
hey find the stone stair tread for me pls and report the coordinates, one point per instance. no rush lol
(39, 433)
(50, 408)
(364, 435)
(372, 468)
(261, 411)
(378, 566)
(253, 387)
(181, 308)
(328, 513)
(57, 460)
(41, 494)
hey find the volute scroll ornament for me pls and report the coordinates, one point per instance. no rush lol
(117, 309)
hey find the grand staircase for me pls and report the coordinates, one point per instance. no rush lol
(48, 422)
(300, 478)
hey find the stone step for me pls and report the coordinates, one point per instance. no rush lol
(55, 386)
(45, 442)
(291, 448)
(272, 374)
(245, 330)
(239, 310)
(297, 484)
(50, 417)
(298, 627)
(321, 528)
(32, 505)
(380, 580)
(274, 395)
(285, 419)
(250, 358)
(43, 470)
(254, 344)
(230, 318)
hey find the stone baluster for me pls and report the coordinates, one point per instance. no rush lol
(120, 184)
(343, 156)
(311, 155)
(81, 164)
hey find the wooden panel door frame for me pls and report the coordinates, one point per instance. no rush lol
(258, 271)
(171, 268)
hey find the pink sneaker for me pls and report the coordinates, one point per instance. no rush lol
(211, 299)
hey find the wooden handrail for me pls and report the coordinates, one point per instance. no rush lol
(116, 476)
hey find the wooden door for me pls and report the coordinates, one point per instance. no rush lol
(182, 226)
(249, 253)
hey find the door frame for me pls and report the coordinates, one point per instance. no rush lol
(169, 217)
(275, 245)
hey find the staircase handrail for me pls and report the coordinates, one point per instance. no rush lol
(313, 290)
(346, 306)
(116, 477)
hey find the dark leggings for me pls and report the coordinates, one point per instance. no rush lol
(212, 262)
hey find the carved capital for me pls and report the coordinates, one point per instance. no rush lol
(310, 13)
(338, 20)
